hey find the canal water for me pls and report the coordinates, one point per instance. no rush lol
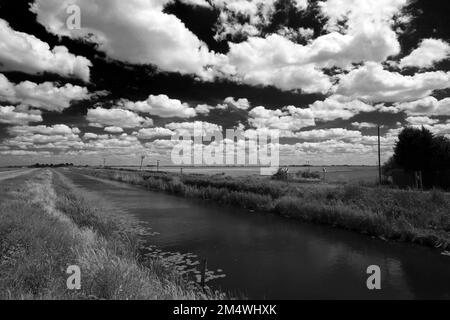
(263, 256)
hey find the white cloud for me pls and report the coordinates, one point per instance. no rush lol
(10, 115)
(114, 129)
(333, 147)
(118, 145)
(288, 119)
(58, 136)
(371, 82)
(90, 135)
(161, 106)
(134, 31)
(364, 125)
(200, 3)
(46, 96)
(150, 133)
(425, 106)
(360, 15)
(203, 108)
(117, 118)
(23, 52)
(24, 153)
(338, 107)
(257, 13)
(241, 103)
(420, 121)
(189, 128)
(57, 129)
(329, 134)
(427, 54)
(278, 61)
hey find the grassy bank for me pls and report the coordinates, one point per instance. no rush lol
(47, 225)
(410, 216)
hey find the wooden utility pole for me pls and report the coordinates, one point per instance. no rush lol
(379, 155)
(157, 165)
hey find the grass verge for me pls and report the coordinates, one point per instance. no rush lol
(46, 225)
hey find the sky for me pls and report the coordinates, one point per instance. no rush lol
(87, 80)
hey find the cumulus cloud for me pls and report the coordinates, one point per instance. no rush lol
(289, 118)
(115, 144)
(151, 133)
(135, 31)
(58, 136)
(161, 106)
(256, 14)
(425, 106)
(114, 129)
(90, 135)
(10, 115)
(46, 96)
(23, 52)
(190, 128)
(364, 125)
(200, 3)
(276, 60)
(371, 82)
(427, 54)
(329, 134)
(420, 121)
(338, 107)
(354, 16)
(241, 103)
(116, 118)
(57, 129)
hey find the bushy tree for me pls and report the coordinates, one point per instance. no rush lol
(441, 153)
(420, 150)
(414, 149)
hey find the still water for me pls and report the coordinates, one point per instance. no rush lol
(266, 256)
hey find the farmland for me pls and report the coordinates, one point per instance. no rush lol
(334, 174)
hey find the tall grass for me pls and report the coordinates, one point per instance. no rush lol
(43, 231)
(412, 216)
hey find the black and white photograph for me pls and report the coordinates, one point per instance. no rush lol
(217, 158)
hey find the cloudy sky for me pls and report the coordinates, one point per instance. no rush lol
(323, 73)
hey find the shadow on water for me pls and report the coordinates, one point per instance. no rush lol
(266, 256)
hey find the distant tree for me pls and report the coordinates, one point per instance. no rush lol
(414, 149)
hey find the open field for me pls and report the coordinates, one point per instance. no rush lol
(10, 174)
(334, 174)
(409, 216)
(46, 225)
